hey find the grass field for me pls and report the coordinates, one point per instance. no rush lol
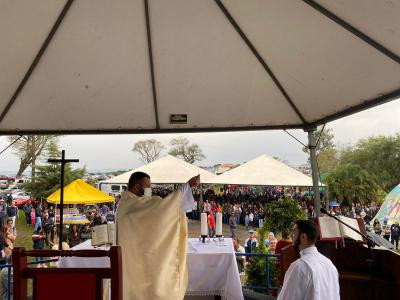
(24, 232)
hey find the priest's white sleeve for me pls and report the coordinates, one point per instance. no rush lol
(187, 197)
(297, 283)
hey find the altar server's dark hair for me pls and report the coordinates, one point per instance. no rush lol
(135, 178)
(309, 228)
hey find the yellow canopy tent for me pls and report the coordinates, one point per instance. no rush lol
(80, 192)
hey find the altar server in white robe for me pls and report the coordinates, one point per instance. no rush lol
(152, 233)
(313, 276)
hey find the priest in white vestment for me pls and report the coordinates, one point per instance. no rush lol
(152, 233)
(313, 276)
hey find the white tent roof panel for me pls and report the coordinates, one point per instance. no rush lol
(166, 170)
(22, 31)
(263, 170)
(225, 64)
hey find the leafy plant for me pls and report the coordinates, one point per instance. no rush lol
(281, 216)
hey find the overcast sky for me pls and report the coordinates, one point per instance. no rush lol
(112, 152)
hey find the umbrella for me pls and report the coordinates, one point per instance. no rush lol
(75, 220)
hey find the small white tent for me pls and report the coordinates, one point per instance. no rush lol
(263, 170)
(168, 169)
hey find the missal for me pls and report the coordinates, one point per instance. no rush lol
(103, 234)
(330, 229)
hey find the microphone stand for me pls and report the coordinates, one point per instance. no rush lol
(370, 243)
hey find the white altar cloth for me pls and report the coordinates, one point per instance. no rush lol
(212, 267)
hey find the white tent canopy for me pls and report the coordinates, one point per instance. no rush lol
(263, 170)
(168, 170)
(100, 66)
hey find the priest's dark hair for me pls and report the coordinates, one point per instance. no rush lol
(135, 178)
(309, 228)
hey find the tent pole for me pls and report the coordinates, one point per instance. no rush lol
(314, 169)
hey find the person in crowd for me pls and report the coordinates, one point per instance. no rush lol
(195, 213)
(282, 243)
(52, 214)
(33, 217)
(96, 218)
(3, 257)
(272, 242)
(27, 210)
(386, 229)
(238, 213)
(86, 233)
(207, 207)
(38, 216)
(110, 218)
(247, 221)
(74, 236)
(104, 210)
(251, 242)
(3, 212)
(251, 219)
(395, 233)
(239, 249)
(9, 237)
(232, 225)
(5, 289)
(312, 276)
(48, 225)
(211, 225)
(377, 227)
(38, 239)
(12, 213)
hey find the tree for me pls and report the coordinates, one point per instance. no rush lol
(281, 215)
(48, 179)
(48, 176)
(328, 159)
(380, 157)
(29, 149)
(149, 150)
(182, 148)
(349, 182)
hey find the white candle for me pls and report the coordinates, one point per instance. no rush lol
(204, 225)
(219, 224)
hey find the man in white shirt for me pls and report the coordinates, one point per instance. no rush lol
(312, 276)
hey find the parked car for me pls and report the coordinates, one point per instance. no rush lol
(3, 184)
(21, 195)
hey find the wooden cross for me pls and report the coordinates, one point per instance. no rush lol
(63, 162)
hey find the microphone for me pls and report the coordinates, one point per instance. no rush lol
(323, 210)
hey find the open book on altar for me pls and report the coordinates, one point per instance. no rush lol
(330, 229)
(103, 234)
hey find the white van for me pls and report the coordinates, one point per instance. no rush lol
(112, 189)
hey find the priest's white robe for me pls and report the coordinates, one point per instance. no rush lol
(152, 233)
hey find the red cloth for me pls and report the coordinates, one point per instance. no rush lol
(211, 221)
(280, 245)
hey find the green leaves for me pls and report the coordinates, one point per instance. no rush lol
(48, 179)
(281, 215)
(367, 170)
